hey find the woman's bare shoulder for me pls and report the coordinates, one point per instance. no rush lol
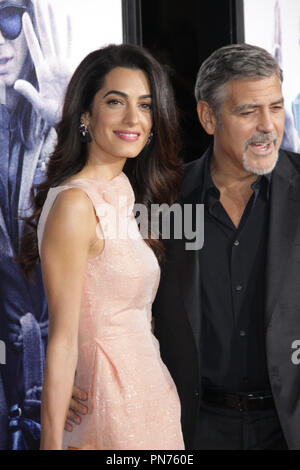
(72, 208)
(72, 200)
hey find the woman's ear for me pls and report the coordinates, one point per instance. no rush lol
(85, 118)
(207, 117)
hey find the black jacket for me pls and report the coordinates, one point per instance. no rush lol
(177, 307)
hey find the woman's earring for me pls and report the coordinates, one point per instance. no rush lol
(150, 136)
(84, 133)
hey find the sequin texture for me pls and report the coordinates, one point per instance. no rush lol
(133, 402)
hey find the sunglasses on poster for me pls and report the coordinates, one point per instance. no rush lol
(11, 20)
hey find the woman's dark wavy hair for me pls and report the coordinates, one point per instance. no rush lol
(155, 174)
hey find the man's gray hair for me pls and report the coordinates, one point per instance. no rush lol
(234, 62)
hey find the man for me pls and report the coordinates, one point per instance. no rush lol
(226, 316)
(31, 90)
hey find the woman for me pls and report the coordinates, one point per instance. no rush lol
(100, 275)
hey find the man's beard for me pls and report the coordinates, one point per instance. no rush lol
(259, 171)
(260, 139)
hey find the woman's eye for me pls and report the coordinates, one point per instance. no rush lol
(114, 102)
(146, 106)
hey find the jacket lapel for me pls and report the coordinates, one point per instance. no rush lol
(191, 291)
(190, 259)
(284, 218)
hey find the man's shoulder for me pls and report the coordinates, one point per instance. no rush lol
(193, 174)
(191, 167)
(292, 155)
(194, 165)
(289, 153)
(289, 162)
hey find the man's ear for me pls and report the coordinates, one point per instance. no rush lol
(207, 117)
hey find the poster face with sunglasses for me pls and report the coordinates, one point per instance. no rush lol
(41, 43)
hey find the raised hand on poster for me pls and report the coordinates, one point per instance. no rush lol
(51, 64)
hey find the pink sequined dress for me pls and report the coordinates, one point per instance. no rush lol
(133, 402)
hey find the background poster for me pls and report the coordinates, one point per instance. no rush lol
(275, 26)
(94, 23)
(41, 43)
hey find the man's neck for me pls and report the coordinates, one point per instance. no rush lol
(234, 186)
(230, 179)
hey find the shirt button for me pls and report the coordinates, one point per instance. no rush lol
(245, 380)
(236, 243)
(196, 393)
(238, 288)
(243, 333)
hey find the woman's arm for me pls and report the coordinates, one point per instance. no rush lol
(67, 241)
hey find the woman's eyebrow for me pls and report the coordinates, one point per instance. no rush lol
(124, 95)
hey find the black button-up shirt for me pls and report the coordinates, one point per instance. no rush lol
(233, 287)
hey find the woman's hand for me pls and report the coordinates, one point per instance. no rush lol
(51, 65)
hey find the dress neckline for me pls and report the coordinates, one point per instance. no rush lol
(99, 180)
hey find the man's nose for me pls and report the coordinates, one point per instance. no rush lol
(265, 123)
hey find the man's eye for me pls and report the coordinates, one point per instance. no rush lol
(246, 113)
